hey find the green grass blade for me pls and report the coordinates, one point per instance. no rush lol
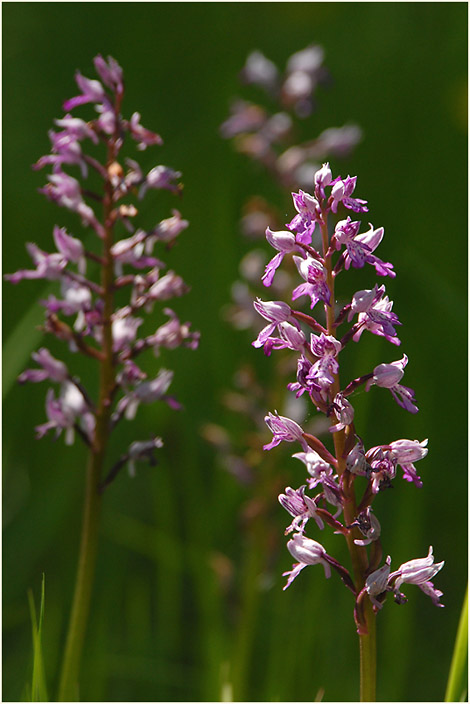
(19, 345)
(457, 683)
(38, 683)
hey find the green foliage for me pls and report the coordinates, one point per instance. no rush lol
(457, 683)
(37, 692)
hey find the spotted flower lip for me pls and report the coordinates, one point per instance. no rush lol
(314, 275)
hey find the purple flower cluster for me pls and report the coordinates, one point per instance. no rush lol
(266, 136)
(320, 254)
(84, 315)
(268, 132)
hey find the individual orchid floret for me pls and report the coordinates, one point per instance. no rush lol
(419, 572)
(374, 311)
(76, 300)
(259, 70)
(76, 127)
(356, 462)
(146, 392)
(314, 274)
(322, 372)
(52, 368)
(385, 458)
(289, 338)
(160, 177)
(166, 231)
(324, 345)
(66, 149)
(341, 193)
(317, 467)
(65, 412)
(284, 430)
(359, 247)
(303, 73)
(245, 117)
(406, 452)
(48, 266)
(302, 384)
(307, 552)
(309, 213)
(172, 334)
(383, 465)
(285, 243)
(130, 374)
(66, 192)
(276, 312)
(332, 493)
(142, 450)
(377, 583)
(170, 285)
(70, 247)
(387, 376)
(301, 507)
(124, 330)
(110, 72)
(92, 92)
(323, 178)
(345, 233)
(144, 137)
(131, 251)
(343, 411)
(369, 526)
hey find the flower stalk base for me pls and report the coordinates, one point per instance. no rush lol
(368, 658)
(68, 688)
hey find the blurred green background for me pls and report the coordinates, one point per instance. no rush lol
(177, 599)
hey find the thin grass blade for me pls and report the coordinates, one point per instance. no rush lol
(38, 683)
(456, 690)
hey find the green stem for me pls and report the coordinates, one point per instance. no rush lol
(367, 650)
(68, 688)
(456, 683)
